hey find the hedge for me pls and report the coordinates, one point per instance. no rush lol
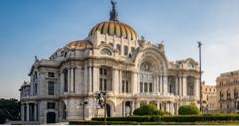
(149, 109)
(180, 118)
(191, 109)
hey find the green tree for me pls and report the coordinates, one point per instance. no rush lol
(149, 109)
(191, 109)
(9, 109)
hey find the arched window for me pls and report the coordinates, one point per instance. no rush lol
(106, 51)
(146, 78)
(190, 85)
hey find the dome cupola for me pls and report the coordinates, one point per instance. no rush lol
(114, 27)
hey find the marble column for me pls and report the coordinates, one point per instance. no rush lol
(180, 86)
(172, 108)
(176, 108)
(167, 107)
(123, 109)
(28, 112)
(115, 80)
(86, 79)
(96, 78)
(158, 105)
(176, 86)
(120, 81)
(165, 83)
(35, 111)
(90, 80)
(72, 80)
(184, 87)
(69, 79)
(134, 83)
(62, 83)
(132, 107)
(161, 84)
(155, 85)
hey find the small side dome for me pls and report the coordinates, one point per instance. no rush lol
(115, 28)
(81, 45)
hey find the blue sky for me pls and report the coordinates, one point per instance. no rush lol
(39, 27)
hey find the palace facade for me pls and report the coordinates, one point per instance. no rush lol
(114, 59)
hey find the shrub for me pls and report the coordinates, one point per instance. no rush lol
(191, 109)
(149, 109)
(180, 118)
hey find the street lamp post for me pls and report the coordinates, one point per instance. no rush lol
(200, 70)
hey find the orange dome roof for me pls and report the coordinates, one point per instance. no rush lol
(115, 28)
(81, 44)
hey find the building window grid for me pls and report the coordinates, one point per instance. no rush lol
(190, 85)
(105, 79)
(51, 88)
(126, 77)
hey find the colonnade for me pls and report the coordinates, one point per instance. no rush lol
(29, 111)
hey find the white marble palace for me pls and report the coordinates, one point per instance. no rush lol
(112, 58)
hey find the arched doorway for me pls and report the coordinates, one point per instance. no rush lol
(51, 117)
(108, 110)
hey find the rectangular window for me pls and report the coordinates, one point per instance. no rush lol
(50, 88)
(123, 86)
(126, 50)
(65, 72)
(145, 87)
(119, 48)
(101, 84)
(127, 86)
(51, 74)
(35, 89)
(150, 87)
(105, 85)
(141, 87)
(50, 105)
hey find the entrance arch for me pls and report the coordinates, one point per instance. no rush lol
(51, 117)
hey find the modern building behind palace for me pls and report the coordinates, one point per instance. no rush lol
(112, 58)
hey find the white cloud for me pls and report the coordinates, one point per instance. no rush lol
(220, 54)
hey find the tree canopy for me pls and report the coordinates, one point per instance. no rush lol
(9, 109)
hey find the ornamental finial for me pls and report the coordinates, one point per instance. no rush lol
(113, 12)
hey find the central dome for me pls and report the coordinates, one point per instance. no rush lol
(115, 28)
